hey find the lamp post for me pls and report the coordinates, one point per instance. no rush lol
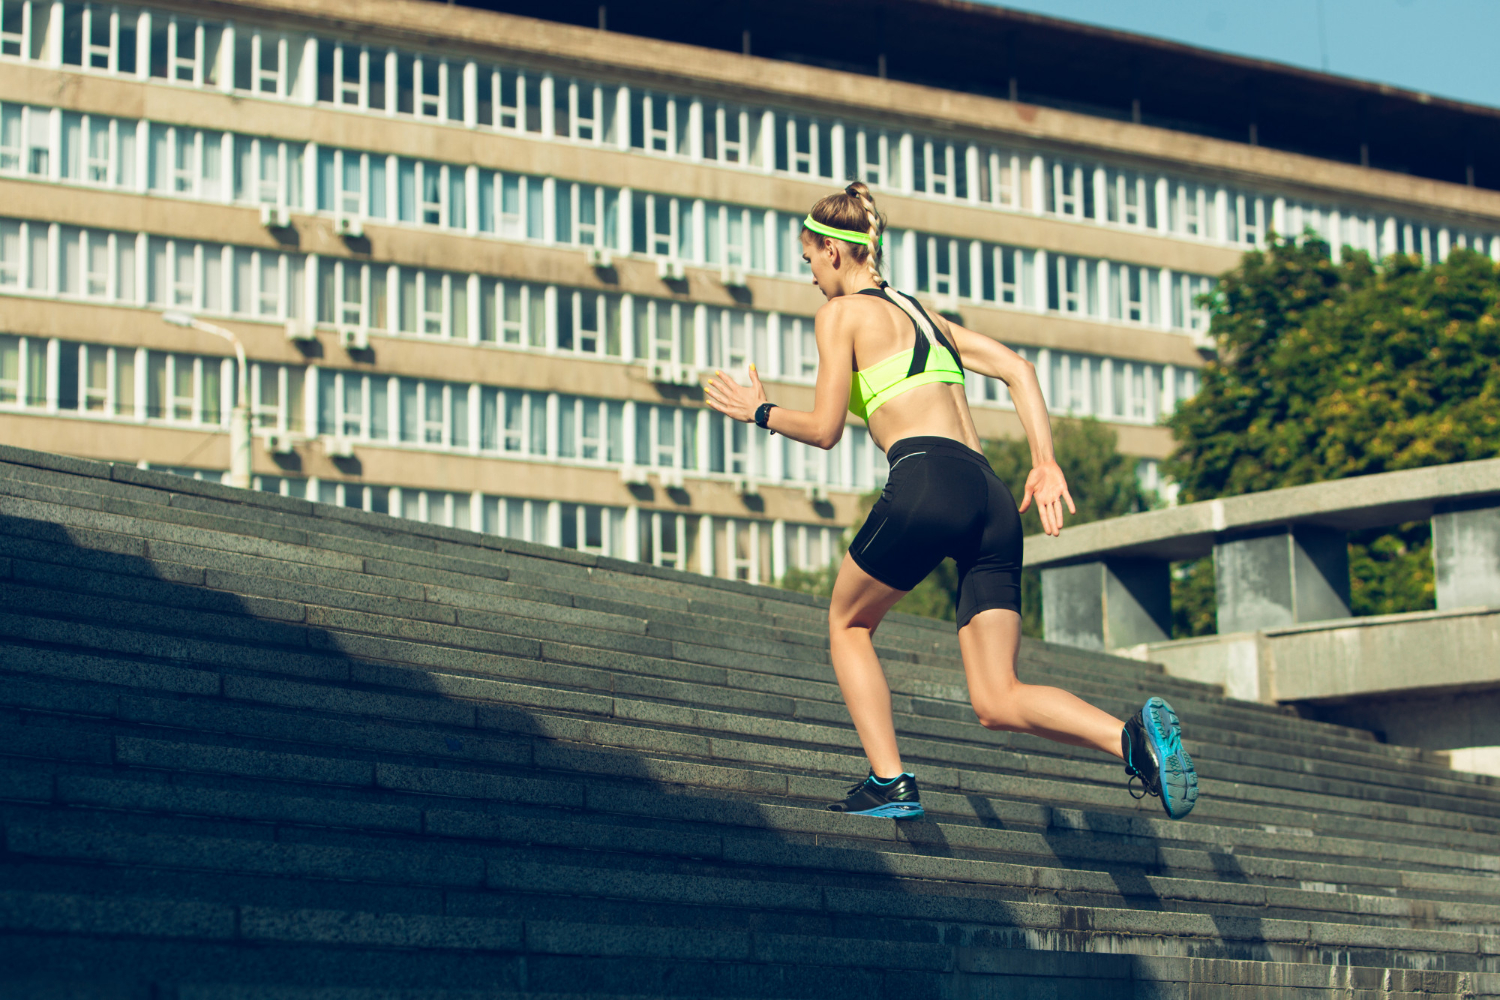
(239, 417)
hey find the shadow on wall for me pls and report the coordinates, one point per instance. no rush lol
(237, 796)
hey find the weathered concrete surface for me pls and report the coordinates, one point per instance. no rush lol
(1425, 652)
(1100, 605)
(1280, 576)
(1190, 531)
(1459, 720)
(1466, 554)
(1478, 760)
(1233, 660)
(1430, 679)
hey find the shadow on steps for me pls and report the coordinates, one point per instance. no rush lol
(206, 796)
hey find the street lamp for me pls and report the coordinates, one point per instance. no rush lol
(239, 417)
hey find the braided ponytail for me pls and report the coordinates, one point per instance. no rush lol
(854, 209)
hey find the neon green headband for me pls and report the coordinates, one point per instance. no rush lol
(842, 234)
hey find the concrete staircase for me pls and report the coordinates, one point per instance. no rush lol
(261, 749)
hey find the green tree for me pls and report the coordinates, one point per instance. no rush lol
(1101, 480)
(1327, 370)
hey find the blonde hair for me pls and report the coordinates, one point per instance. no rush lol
(853, 209)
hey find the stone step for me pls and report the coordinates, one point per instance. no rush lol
(98, 580)
(1084, 690)
(726, 764)
(1171, 686)
(464, 634)
(1268, 788)
(950, 661)
(101, 582)
(992, 971)
(716, 688)
(833, 712)
(1012, 900)
(1113, 844)
(258, 747)
(217, 558)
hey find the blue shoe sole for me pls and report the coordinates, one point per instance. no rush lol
(893, 810)
(1175, 771)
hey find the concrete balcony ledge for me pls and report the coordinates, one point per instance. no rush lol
(1190, 531)
(1419, 653)
(1429, 679)
(1281, 558)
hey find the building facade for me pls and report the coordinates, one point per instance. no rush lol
(481, 263)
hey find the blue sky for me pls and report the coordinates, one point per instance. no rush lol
(1444, 47)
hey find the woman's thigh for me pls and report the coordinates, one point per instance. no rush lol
(859, 600)
(989, 644)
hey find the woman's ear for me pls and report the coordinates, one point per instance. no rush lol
(834, 256)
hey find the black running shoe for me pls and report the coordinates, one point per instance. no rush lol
(897, 798)
(1152, 743)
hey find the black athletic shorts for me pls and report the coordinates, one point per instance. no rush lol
(943, 499)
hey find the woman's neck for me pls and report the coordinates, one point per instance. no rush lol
(856, 284)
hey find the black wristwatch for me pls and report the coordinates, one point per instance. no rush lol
(762, 415)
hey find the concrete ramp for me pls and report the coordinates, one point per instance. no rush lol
(261, 749)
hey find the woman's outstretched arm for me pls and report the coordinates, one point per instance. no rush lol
(824, 424)
(1045, 482)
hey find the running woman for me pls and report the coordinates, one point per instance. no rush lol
(901, 370)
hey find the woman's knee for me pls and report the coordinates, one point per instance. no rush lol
(993, 716)
(996, 709)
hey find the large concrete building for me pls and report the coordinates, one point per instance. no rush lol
(480, 260)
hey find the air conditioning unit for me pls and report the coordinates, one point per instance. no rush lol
(599, 258)
(275, 216)
(300, 330)
(351, 226)
(671, 479)
(817, 493)
(281, 444)
(670, 270)
(338, 447)
(354, 338)
(733, 277)
(634, 475)
(671, 373)
(664, 372)
(746, 486)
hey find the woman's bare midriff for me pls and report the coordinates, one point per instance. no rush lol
(935, 410)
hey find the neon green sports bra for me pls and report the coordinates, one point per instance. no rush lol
(880, 383)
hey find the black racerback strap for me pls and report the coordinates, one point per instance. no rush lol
(923, 345)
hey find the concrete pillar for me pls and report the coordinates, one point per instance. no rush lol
(1466, 554)
(1109, 604)
(1281, 577)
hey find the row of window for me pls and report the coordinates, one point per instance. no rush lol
(140, 269)
(954, 270)
(1082, 385)
(558, 426)
(136, 269)
(734, 548)
(269, 63)
(140, 384)
(147, 385)
(192, 163)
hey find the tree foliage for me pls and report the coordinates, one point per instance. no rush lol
(1328, 370)
(1102, 482)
